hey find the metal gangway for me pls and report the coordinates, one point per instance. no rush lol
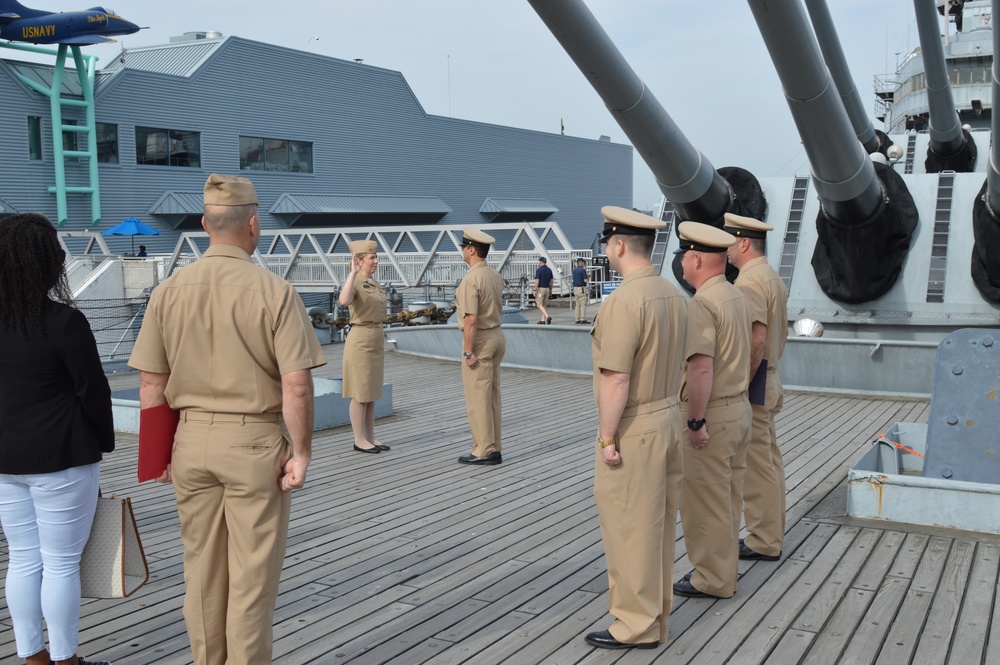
(317, 260)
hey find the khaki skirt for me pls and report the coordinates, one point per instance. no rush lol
(364, 363)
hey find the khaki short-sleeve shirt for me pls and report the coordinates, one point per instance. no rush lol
(640, 331)
(225, 330)
(768, 304)
(719, 326)
(369, 303)
(480, 293)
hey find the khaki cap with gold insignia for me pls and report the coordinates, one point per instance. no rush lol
(628, 222)
(363, 247)
(476, 238)
(699, 237)
(746, 227)
(225, 190)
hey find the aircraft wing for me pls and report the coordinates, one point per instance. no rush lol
(84, 40)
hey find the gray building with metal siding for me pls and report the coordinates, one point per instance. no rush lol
(370, 139)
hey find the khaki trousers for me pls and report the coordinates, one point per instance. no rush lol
(712, 495)
(482, 391)
(234, 526)
(580, 303)
(637, 503)
(764, 480)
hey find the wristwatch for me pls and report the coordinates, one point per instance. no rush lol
(695, 424)
(604, 443)
(466, 355)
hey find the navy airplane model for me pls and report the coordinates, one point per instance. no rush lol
(89, 26)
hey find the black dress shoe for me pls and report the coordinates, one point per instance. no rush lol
(358, 448)
(748, 554)
(488, 460)
(548, 320)
(382, 446)
(604, 640)
(685, 588)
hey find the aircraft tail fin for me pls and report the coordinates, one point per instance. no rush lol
(11, 9)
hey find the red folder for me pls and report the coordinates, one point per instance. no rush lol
(157, 426)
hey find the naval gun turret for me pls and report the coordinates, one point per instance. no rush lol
(689, 181)
(986, 209)
(872, 140)
(867, 216)
(951, 146)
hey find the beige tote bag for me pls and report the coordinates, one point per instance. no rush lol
(113, 563)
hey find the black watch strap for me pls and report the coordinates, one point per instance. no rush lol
(695, 424)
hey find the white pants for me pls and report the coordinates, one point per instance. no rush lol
(46, 518)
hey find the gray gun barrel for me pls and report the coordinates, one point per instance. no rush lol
(992, 174)
(945, 129)
(844, 176)
(682, 173)
(833, 53)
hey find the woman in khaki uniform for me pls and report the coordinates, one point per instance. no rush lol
(364, 353)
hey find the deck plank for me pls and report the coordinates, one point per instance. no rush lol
(407, 557)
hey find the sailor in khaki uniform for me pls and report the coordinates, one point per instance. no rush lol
(637, 343)
(229, 345)
(715, 406)
(479, 302)
(364, 352)
(764, 479)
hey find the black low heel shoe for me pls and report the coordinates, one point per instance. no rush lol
(367, 450)
(382, 446)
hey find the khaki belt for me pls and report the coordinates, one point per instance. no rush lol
(366, 324)
(727, 401)
(649, 407)
(241, 418)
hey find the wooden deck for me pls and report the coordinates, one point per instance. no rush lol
(408, 557)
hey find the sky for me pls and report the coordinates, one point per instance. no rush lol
(494, 61)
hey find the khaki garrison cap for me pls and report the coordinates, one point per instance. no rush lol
(224, 190)
(746, 227)
(363, 247)
(628, 222)
(476, 238)
(699, 237)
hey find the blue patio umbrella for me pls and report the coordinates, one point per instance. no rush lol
(131, 227)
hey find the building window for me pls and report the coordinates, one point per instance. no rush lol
(260, 154)
(107, 143)
(34, 137)
(167, 147)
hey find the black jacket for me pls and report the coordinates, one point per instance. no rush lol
(55, 403)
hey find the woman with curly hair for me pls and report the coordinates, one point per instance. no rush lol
(55, 407)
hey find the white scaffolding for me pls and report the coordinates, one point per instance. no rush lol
(318, 260)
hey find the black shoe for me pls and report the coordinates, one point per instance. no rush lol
(358, 448)
(541, 323)
(548, 320)
(489, 460)
(685, 588)
(748, 554)
(84, 661)
(604, 640)
(585, 322)
(381, 446)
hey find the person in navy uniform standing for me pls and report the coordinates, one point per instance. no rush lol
(543, 289)
(580, 281)
(479, 303)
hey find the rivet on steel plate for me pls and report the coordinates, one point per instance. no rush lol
(987, 342)
(957, 370)
(952, 420)
(946, 472)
